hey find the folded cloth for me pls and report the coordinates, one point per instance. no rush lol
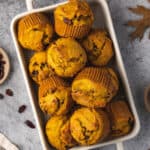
(5, 144)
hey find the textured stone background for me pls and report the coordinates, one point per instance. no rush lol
(135, 55)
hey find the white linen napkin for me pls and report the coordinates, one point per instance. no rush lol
(5, 144)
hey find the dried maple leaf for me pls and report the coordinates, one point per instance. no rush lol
(142, 24)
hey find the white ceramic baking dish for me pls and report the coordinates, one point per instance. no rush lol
(103, 19)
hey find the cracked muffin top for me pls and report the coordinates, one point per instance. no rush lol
(98, 47)
(89, 126)
(38, 67)
(75, 12)
(95, 87)
(66, 57)
(55, 96)
(58, 132)
(35, 32)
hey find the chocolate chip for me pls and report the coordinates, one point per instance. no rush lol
(35, 72)
(1, 96)
(42, 66)
(22, 109)
(67, 21)
(35, 64)
(9, 92)
(35, 29)
(29, 124)
(53, 90)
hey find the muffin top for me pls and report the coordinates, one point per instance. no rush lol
(99, 47)
(35, 31)
(54, 96)
(88, 126)
(75, 12)
(66, 57)
(58, 132)
(95, 87)
(53, 129)
(38, 67)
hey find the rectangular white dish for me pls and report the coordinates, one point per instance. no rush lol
(102, 19)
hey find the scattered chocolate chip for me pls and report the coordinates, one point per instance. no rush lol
(22, 109)
(29, 124)
(1, 96)
(9, 92)
(67, 21)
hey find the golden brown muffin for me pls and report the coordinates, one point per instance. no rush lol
(35, 31)
(66, 57)
(99, 47)
(121, 118)
(58, 133)
(38, 67)
(89, 126)
(95, 87)
(55, 96)
(73, 19)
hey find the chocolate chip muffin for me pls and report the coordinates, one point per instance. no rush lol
(55, 96)
(98, 47)
(95, 87)
(58, 132)
(121, 118)
(38, 67)
(66, 57)
(89, 126)
(73, 19)
(35, 31)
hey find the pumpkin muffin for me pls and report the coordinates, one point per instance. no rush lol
(66, 57)
(121, 118)
(98, 47)
(35, 32)
(58, 132)
(38, 67)
(89, 126)
(95, 87)
(55, 96)
(73, 19)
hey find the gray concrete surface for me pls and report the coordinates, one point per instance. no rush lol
(136, 56)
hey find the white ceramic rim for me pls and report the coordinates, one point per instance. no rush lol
(120, 64)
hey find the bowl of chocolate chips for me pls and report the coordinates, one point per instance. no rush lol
(4, 66)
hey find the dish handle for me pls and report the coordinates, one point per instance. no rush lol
(119, 146)
(29, 4)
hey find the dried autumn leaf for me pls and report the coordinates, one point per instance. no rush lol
(142, 24)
